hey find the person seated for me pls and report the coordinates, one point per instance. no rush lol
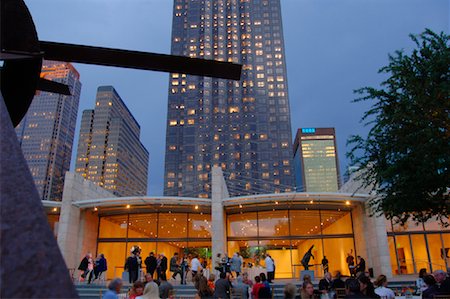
(307, 290)
(211, 280)
(204, 291)
(420, 284)
(136, 290)
(337, 282)
(353, 289)
(444, 282)
(382, 289)
(325, 283)
(366, 286)
(151, 291)
(165, 288)
(290, 291)
(431, 287)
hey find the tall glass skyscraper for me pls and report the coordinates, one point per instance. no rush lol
(109, 150)
(46, 132)
(243, 126)
(316, 160)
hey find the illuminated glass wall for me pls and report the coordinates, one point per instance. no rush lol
(287, 234)
(165, 233)
(416, 246)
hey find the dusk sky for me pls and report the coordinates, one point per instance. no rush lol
(332, 48)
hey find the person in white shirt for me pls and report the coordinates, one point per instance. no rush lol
(270, 267)
(195, 265)
(381, 289)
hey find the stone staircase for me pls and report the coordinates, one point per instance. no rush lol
(95, 291)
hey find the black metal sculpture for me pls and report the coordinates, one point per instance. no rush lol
(22, 55)
(307, 257)
(31, 263)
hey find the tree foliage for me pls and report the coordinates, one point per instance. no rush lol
(406, 154)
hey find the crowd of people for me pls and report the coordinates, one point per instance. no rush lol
(232, 281)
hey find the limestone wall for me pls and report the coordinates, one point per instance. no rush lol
(77, 230)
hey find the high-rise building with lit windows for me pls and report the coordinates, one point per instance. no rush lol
(243, 126)
(316, 161)
(46, 132)
(110, 153)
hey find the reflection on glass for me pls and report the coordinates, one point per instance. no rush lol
(336, 222)
(273, 223)
(172, 225)
(142, 226)
(199, 226)
(304, 222)
(242, 225)
(113, 226)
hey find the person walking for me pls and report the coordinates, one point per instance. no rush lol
(351, 263)
(83, 267)
(195, 265)
(174, 266)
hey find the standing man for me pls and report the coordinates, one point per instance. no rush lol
(361, 266)
(163, 265)
(351, 263)
(150, 263)
(174, 267)
(325, 264)
(270, 267)
(236, 264)
(195, 265)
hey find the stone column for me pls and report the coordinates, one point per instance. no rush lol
(77, 229)
(371, 240)
(218, 217)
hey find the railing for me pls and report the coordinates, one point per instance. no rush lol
(409, 266)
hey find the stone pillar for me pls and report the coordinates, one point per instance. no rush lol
(218, 217)
(77, 229)
(371, 240)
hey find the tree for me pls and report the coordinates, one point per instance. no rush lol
(406, 155)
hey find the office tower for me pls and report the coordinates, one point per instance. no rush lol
(316, 161)
(242, 126)
(46, 132)
(109, 150)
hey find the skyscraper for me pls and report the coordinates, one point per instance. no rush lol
(316, 160)
(46, 132)
(243, 126)
(109, 150)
